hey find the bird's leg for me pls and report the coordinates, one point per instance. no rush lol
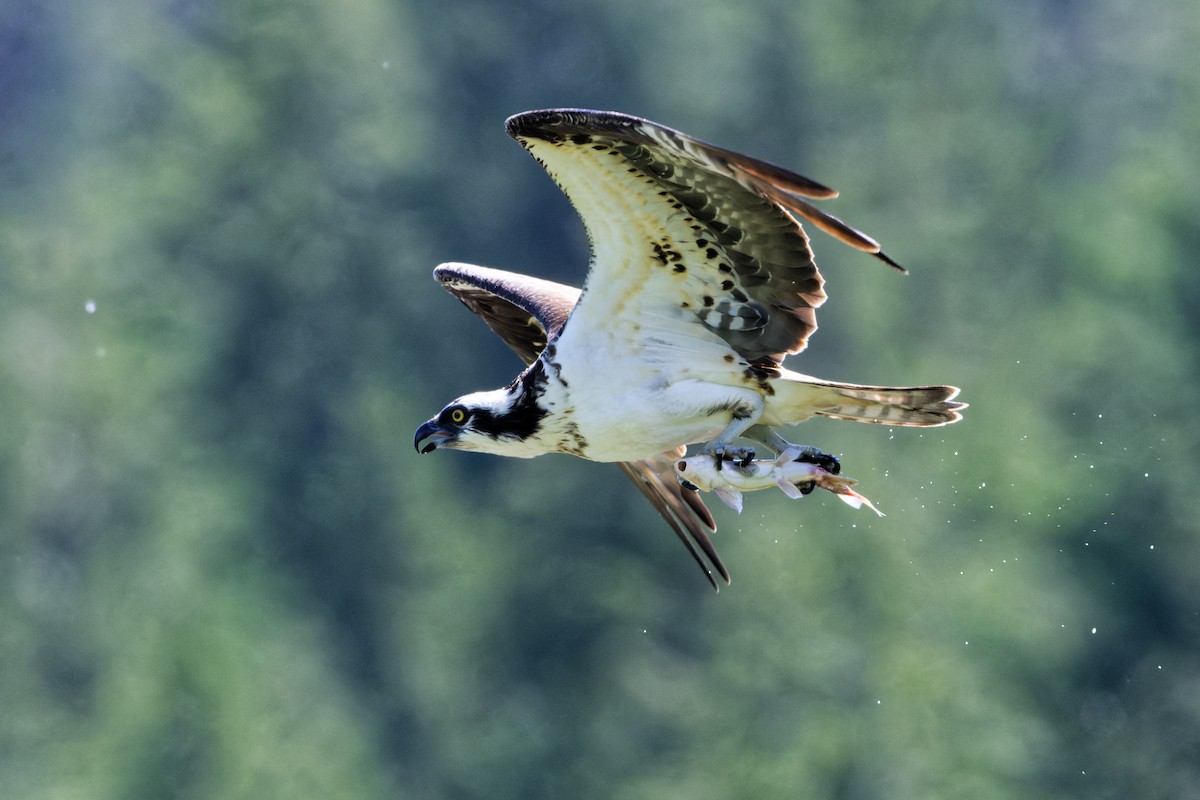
(744, 416)
(806, 453)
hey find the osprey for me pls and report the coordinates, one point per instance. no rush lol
(701, 281)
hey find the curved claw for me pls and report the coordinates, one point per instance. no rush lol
(722, 453)
(799, 452)
(823, 460)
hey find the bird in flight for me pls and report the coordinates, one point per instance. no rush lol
(701, 282)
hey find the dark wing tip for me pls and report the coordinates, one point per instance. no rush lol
(539, 124)
(553, 124)
(885, 258)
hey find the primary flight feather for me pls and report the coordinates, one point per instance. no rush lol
(701, 282)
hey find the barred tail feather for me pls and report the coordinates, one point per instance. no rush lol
(910, 405)
(924, 406)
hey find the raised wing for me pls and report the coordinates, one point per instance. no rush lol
(689, 229)
(528, 312)
(525, 312)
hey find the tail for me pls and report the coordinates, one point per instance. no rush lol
(799, 397)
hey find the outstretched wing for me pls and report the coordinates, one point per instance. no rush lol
(526, 313)
(685, 229)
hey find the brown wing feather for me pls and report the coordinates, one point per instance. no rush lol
(526, 313)
(683, 510)
(748, 210)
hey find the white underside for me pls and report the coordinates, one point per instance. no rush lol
(675, 388)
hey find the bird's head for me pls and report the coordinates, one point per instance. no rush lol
(502, 422)
(468, 423)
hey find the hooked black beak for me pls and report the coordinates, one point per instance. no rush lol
(430, 430)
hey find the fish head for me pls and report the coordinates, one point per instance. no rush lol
(697, 473)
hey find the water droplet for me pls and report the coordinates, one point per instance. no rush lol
(90, 306)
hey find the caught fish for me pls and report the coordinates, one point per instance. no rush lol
(794, 478)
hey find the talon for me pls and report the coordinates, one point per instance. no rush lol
(797, 452)
(823, 460)
(742, 456)
(807, 488)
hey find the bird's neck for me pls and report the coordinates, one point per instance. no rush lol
(534, 418)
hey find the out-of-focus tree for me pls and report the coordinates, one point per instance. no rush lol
(226, 574)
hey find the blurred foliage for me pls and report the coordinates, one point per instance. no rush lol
(225, 574)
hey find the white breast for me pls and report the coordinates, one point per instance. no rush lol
(633, 397)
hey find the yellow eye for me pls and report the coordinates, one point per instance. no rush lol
(458, 416)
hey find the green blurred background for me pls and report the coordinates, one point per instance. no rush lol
(224, 573)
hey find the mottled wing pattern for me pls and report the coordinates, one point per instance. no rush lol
(690, 228)
(527, 313)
